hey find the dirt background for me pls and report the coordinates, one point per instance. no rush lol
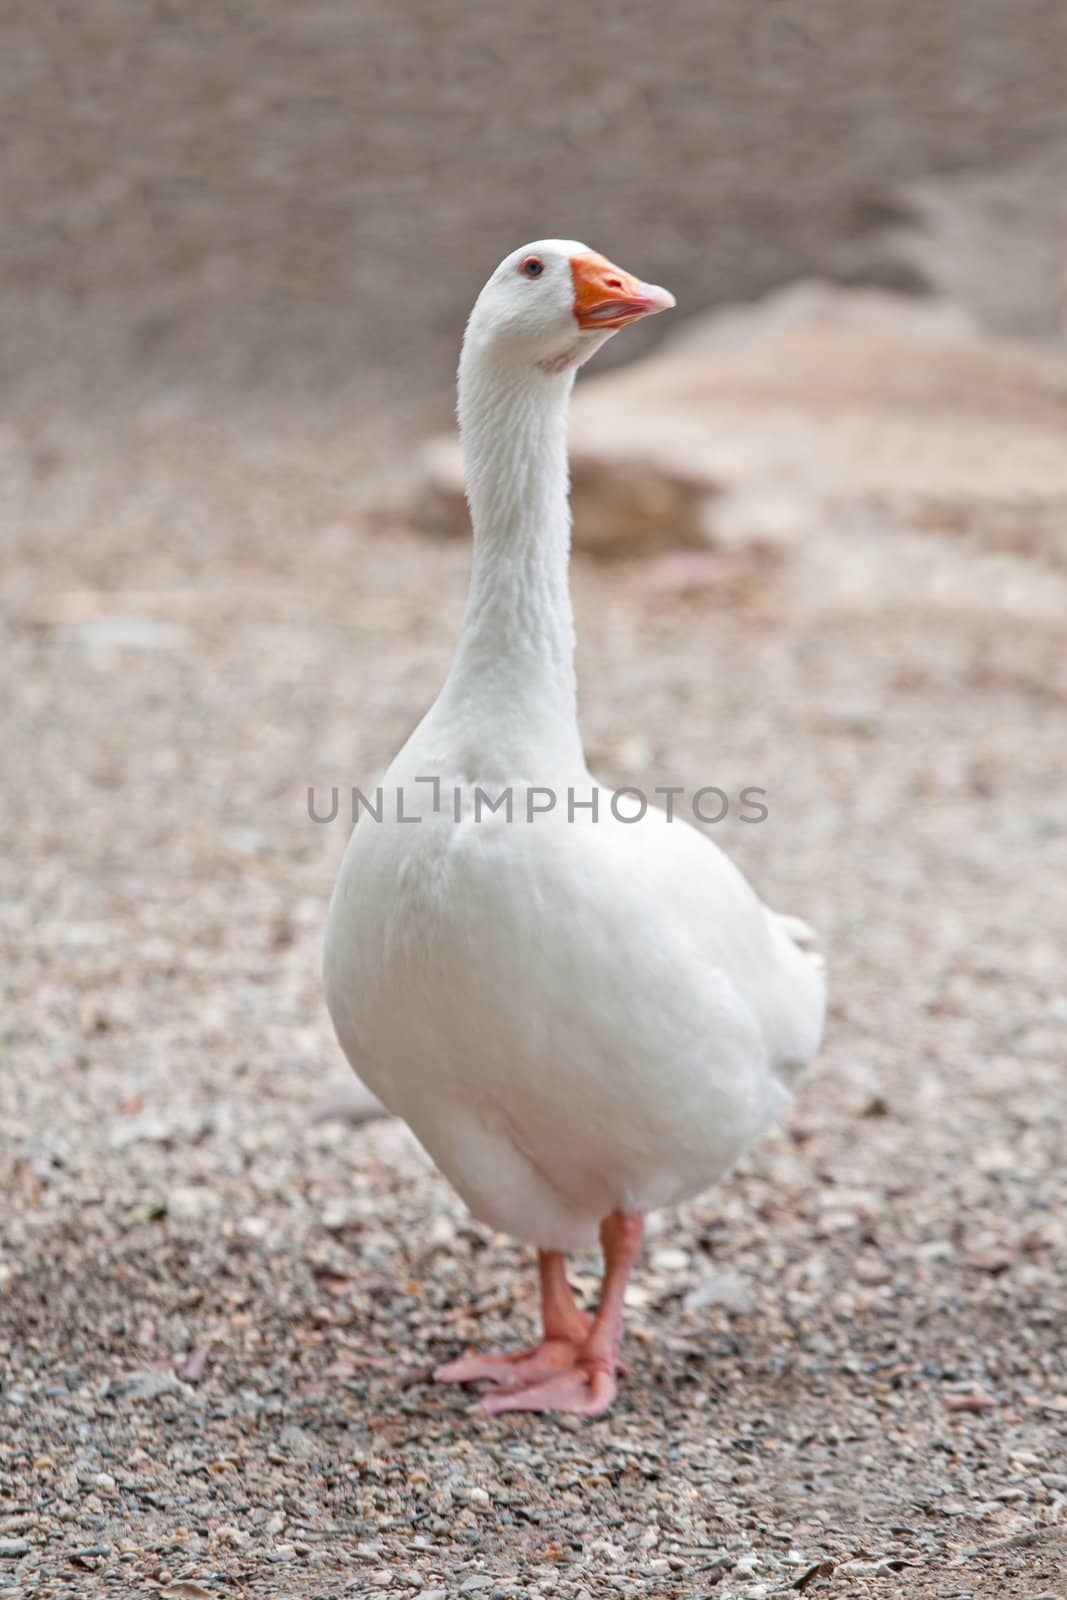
(239, 242)
(297, 202)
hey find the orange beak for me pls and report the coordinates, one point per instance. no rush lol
(606, 297)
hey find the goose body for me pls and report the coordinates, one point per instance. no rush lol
(582, 1018)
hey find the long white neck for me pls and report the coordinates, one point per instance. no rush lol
(512, 684)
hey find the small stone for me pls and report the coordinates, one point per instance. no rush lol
(228, 1534)
(633, 756)
(253, 1227)
(148, 1384)
(442, 1230)
(105, 1483)
(837, 1221)
(728, 1289)
(189, 1202)
(975, 1399)
(872, 1270)
(670, 1259)
(12, 1549)
(479, 1497)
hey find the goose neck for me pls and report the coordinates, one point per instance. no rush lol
(516, 656)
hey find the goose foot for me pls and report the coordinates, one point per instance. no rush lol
(575, 1366)
(587, 1389)
(513, 1369)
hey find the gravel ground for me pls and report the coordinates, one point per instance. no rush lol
(219, 1306)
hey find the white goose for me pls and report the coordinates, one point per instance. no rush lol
(580, 1018)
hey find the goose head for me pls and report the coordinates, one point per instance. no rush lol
(550, 305)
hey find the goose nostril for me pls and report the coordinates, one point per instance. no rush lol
(613, 283)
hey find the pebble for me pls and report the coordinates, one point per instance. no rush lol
(148, 1384)
(442, 1233)
(253, 1227)
(188, 1202)
(728, 1289)
(12, 1549)
(336, 1216)
(229, 1534)
(670, 1259)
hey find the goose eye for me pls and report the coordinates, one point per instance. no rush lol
(532, 267)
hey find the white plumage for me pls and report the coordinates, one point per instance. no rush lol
(576, 1017)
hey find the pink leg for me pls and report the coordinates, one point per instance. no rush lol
(565, 1327)
(586, 1384)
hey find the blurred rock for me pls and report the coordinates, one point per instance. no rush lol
(993, 240)
(149, 1383)
(731, 1290)
(759, 425)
